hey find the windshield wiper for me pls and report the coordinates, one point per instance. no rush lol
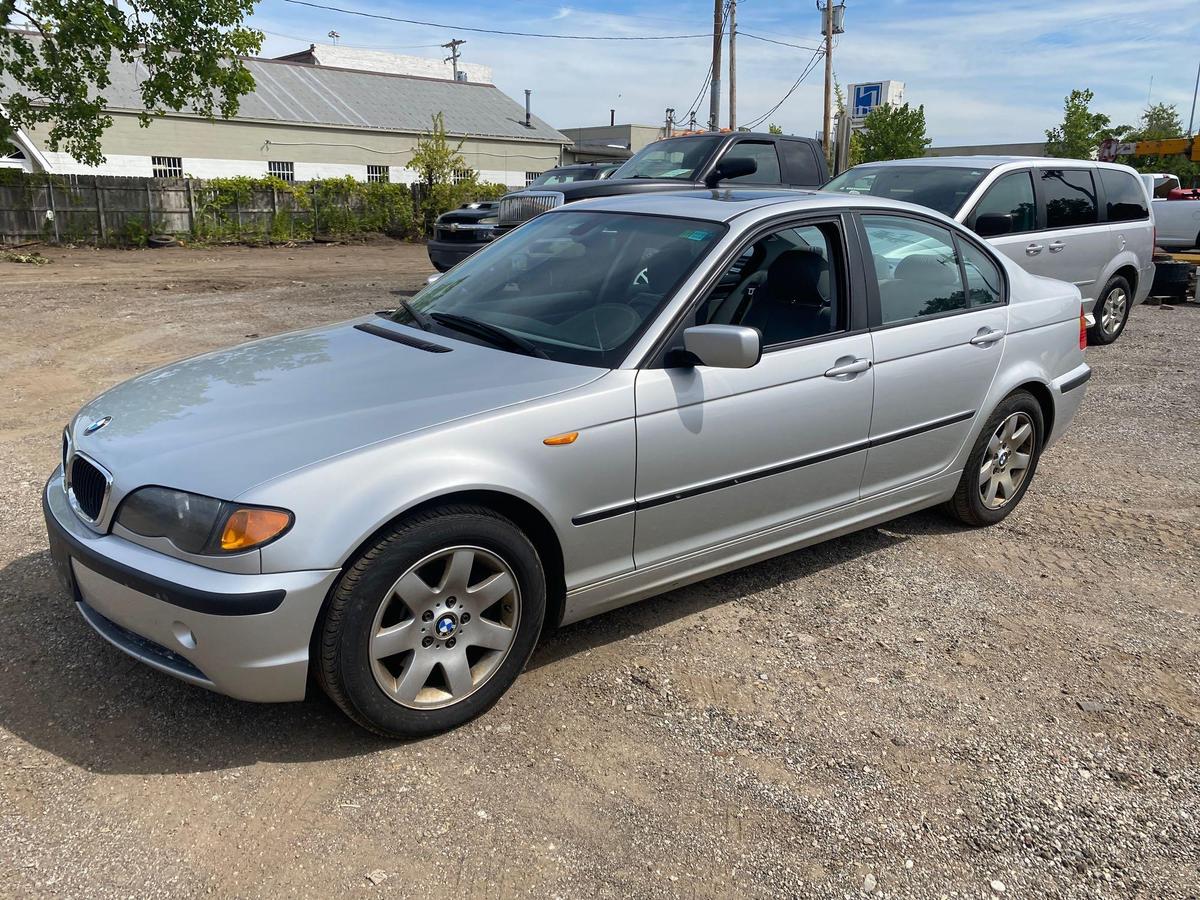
(420, 320)
(492, 333)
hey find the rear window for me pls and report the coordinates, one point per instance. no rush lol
(1126, 199)
(801, 163)
(1070, 197)
(944, 188)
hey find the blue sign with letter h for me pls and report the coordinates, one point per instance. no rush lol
(867, 97)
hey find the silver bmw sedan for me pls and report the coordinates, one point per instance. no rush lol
(618, 398)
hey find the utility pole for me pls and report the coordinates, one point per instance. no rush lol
(714, 97)
(670, 121)
(453, 57)
(732, 65)
(1195, 91)
(828, 79)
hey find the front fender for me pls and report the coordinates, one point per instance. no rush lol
(340, 503)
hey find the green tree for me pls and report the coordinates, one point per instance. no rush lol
(894, 132)
(434, 159)
(55, 58)
(774, 129)
(1160, 122)
(1081, 131)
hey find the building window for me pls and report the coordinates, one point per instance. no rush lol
(167, 166)
(381, 174)
(461, 175)
(285, 171)
(531, 177)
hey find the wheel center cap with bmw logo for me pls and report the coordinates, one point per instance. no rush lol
(445, 626)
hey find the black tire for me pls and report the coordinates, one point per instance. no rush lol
(344, 667)
(967, 505)
(1100, 335)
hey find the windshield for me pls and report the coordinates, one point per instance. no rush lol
(578, 287)
(673, 158)
(944, 188)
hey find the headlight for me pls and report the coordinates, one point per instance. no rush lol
(198, 524)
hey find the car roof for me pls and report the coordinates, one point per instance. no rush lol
(957, 162)
(726, 204)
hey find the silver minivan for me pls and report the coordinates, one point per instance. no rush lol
(1084, 222)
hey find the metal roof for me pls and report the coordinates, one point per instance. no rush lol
(298, 93)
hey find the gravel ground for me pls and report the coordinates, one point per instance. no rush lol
(918, 710)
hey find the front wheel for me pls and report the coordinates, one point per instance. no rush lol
(431, 626)
(1111, 312)
(1001, 464)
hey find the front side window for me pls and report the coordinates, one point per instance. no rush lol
(578, 287)
(680, 158)
(944, 188)
(916, 267)
(765, 159)
(1012, 196)
(788, 285)
(285, 171)
(1070, 197)
(1126, 200)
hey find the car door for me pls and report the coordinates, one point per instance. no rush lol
(1074, 245)
(936, 346)
(725, 453)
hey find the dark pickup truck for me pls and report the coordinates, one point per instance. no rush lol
(673, 164)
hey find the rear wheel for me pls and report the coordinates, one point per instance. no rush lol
(1001, 464)
(431, 626)
(1111, 312)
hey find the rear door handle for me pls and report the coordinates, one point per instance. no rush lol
(1056, 246)
(848, 365)
(987, 336)
(1033, 249)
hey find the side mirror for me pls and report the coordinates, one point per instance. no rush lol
(993, 224)
(724, 346)
(730, 168)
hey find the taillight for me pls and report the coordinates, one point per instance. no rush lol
(1082, 329)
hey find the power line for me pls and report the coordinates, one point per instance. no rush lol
(804, 74)
(768, 40)
(530, 34)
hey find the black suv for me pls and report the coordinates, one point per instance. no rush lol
(707, 159)
(680, 163)
(460, 232)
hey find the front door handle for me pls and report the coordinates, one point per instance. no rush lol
(848, 365)
(1033, 249)
(1056, 246)
(987, 336)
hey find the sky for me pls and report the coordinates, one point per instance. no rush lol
(986, 72)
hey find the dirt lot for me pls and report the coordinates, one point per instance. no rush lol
(917, 709)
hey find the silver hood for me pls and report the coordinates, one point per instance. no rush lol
(221, 423)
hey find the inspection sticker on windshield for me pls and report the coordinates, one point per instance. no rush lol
(696, 235)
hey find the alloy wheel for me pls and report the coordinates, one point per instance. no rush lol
(1112, 314)
(445, 627)
(1006, 461)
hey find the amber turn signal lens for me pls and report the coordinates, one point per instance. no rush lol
(248, 528)
(559, 439)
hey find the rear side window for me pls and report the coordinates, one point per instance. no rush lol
(1070, 197)
(983, 277)
(916, 267)
(801, 163)
(764, 156)
(1011, 195)
(1125, 196)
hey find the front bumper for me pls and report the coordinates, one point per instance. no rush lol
(242, 635)
(446, 254)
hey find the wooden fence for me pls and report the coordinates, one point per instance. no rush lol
(123, 210)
